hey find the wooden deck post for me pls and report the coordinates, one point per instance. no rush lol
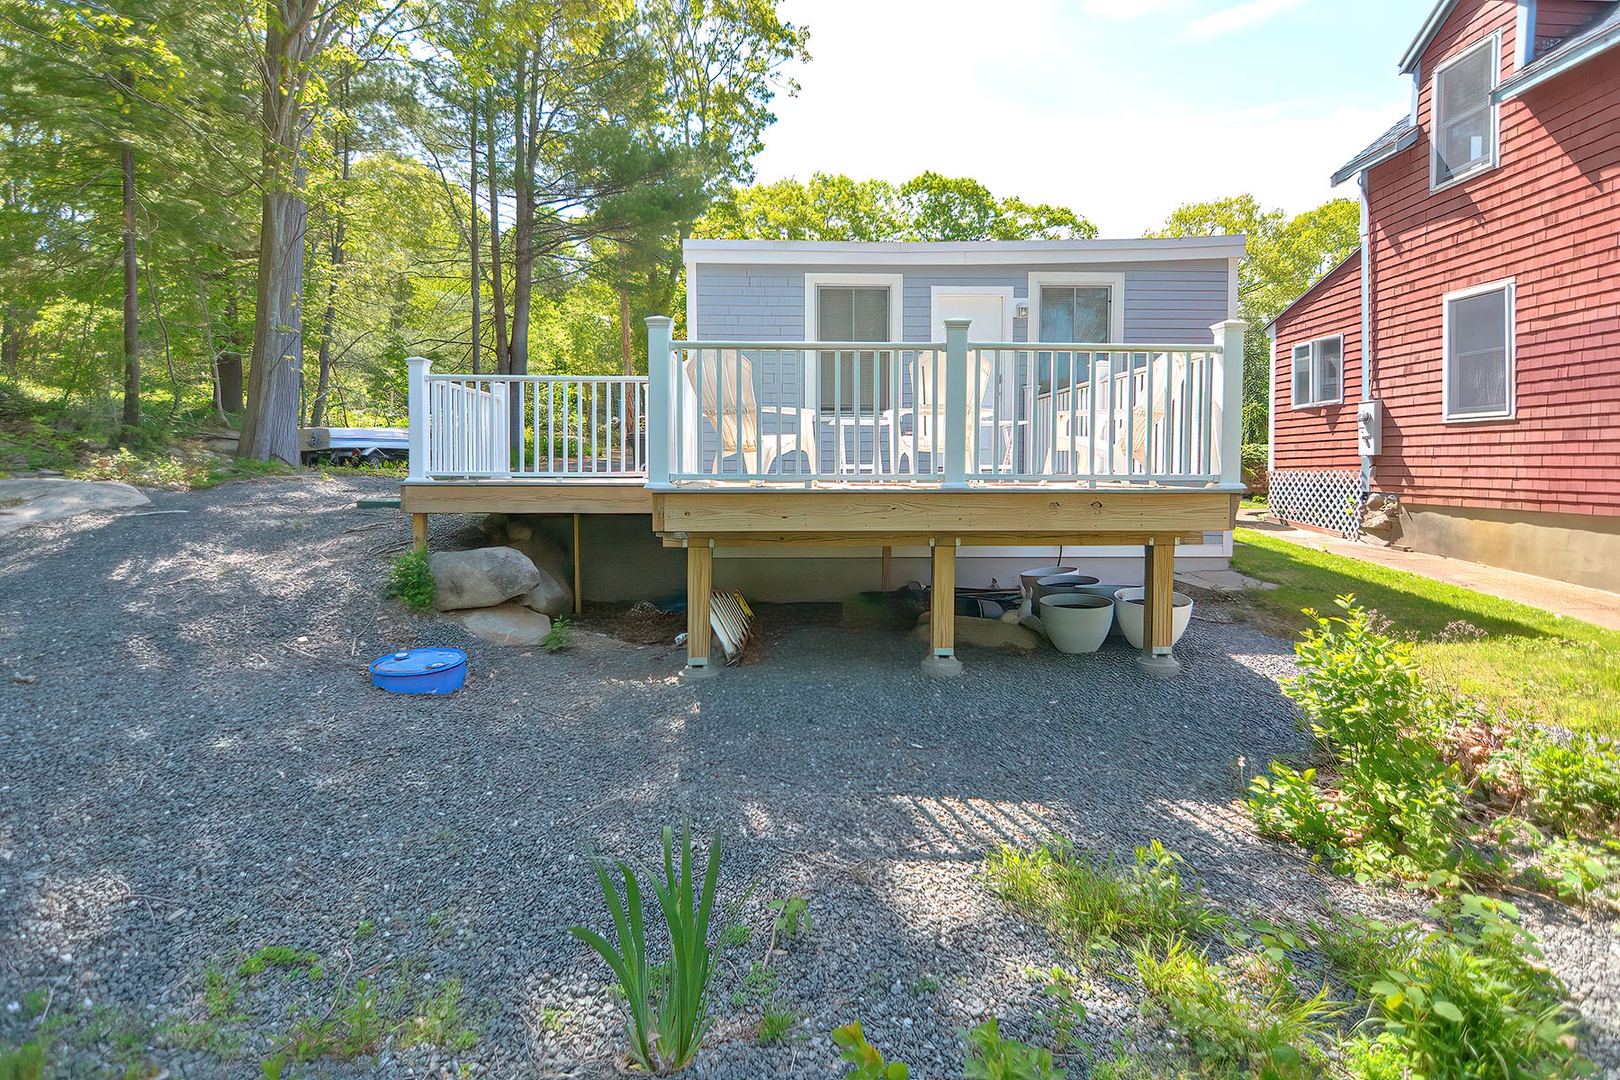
(1158, 614)
(888, 568)
(579, 577)
(941, 659)
(699, 592)
(418, 532)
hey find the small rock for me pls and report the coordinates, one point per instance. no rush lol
(986, 633)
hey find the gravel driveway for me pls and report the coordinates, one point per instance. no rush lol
(194, 766)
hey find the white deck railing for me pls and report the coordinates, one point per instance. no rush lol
(526, 426)
(949, 413)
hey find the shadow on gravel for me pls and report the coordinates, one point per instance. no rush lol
(198, 766)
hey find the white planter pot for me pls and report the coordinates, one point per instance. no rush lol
(1060, 583)
(1107, 592)
(1028, 578)
(1129, 609)
(1076, 622)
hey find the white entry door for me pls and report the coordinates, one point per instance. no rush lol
(990, 309)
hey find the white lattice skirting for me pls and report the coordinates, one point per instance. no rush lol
(1327, 500)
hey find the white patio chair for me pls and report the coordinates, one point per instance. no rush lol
(924, 436)
(1146, 416)
(725, 388)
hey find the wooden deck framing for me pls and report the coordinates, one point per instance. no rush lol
(944, 521)
(887, 516)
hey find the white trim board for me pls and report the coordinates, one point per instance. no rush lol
(1511, 287)
(895, 283)
(1116, 302)
(1494, 43)
(979, 253)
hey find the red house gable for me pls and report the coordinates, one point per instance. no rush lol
(1493, 292)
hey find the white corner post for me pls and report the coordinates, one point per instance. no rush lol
(503, 414)
(662, 371)
(958, 428)
(1229, 339)
(416, 373)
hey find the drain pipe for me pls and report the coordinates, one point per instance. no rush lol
(1369, 422)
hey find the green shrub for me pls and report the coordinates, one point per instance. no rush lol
(1397, 802)
(25, 1062)
(410, 581)
(1066, 1012)
(560, 636)
(792, 918)
(990, 1057)
(1096, 904)
(1570, 786)
(1257, 467)
(867, 1061)
(665, 1029)
(1471, 1002)
(1265, 1030)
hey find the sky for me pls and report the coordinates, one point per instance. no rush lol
(1119, 109)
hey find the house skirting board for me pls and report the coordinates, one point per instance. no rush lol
(1578, 548)
(625, 562)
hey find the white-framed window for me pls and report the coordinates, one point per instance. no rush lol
(1478, 352)
(1464, 124)
(1073, 308)
(852, 308)
(1319, 372)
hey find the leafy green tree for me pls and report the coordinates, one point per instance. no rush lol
(1286, 255)
(927, 207)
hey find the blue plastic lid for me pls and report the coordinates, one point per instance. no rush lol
(418, 661)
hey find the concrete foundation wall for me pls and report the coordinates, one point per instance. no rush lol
(624, 562)
(1578, 548)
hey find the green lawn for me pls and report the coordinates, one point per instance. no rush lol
(1552, 669)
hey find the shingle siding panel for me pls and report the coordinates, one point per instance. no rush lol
(1322, 437)
(1549, 217)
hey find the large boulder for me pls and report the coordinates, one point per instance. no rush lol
(506, 624)
(550, 597)
(38, 501)
(480, 578)
(524, 537)
(554, 595)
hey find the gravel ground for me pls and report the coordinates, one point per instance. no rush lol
(195, 766)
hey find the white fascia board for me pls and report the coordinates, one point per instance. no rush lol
(985, 253)
(1576, 56)
(1431, 27)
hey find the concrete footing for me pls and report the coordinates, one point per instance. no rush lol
(1158, 665)
(701, 673)
(945, 667)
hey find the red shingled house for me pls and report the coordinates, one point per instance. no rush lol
(1487, 292)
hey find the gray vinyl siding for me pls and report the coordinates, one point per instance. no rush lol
(746, 303)
(1174, 306)
(1166, 303)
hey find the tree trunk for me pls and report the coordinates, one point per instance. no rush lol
(522, 223)
(11, 340)
(472, 242)
(132, 295)
(323, 384)
(270, 426)
(229, 364)
(503, 356)
(625, 343)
